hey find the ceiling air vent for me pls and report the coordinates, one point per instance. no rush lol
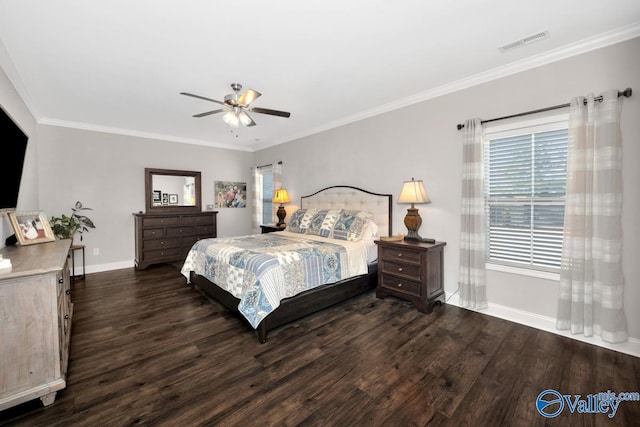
(523, 41)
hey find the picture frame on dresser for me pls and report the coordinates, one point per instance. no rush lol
(31, 227)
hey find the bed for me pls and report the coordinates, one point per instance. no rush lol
(204, 266)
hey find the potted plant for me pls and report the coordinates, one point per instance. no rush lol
(65, 227)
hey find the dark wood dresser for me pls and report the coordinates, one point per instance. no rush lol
(411, 271)
(168, 237)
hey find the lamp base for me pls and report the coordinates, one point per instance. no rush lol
(281, 214)
(412, 221)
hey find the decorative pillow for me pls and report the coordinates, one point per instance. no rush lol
(351, 225)
(300, 220)
(322, 222)
(370, 230)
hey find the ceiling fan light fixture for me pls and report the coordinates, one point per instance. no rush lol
(244, 118)
(231, 119)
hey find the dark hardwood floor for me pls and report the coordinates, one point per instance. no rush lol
(147, 349)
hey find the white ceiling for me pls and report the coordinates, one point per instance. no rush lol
(119, 65)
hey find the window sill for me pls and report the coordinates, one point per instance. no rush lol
(523, 271)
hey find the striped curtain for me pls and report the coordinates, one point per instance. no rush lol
(591, 280)
(256, 206)
(267, 176)
(471, 278)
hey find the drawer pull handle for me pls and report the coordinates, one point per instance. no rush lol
(400, 254)
(399, 268)
(61, 280)
(68, 292)
(162, 243)
(399, 285)
(66, 316)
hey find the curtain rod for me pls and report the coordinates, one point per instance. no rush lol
(626, 93)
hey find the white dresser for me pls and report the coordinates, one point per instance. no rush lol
(35, 322)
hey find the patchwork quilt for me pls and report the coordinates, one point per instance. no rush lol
(263, 269)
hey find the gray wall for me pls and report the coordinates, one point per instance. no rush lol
(421, 141)
(106, 173)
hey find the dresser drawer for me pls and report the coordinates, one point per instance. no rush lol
(398, 284)
(205, 231)
(180, 231)
(401, 268)
(188, 242)
(152, 233)
(161, 243)
(404, 254)
(161, 221)
(162, 254)
(196, 220)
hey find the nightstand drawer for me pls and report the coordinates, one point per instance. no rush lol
(401, 268)
(400, 285)
(394, 253)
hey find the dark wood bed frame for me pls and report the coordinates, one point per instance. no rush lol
(307, 302)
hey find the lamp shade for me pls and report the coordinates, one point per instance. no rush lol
(281, 196)
(413, 192)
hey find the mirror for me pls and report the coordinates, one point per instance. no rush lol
(168, 190)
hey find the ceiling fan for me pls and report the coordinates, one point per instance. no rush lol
(237, 106)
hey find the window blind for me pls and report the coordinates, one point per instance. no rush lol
(267, 184)
(525, 194)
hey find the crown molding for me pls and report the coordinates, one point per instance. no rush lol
(138, 134)
(583, 46)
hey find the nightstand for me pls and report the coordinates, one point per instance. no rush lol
(411, 271)
(271, 228)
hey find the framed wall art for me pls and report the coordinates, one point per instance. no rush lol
(230, 194)
(31, 227)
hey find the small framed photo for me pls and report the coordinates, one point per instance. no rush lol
(157, 196)
(173, 199)
(31, 227)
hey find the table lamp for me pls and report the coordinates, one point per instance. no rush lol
(413, 192)
(281, 196)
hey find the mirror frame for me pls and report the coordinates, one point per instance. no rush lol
(148, 190)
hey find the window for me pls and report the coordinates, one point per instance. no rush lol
(265, 181)
(525, 184)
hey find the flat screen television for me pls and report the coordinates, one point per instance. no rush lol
(13, 146)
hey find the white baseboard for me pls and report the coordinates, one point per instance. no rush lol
(548, 324)
(99, 268)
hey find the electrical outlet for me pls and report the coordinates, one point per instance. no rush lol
(96, 251)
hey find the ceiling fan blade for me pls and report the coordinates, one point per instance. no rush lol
(202, 97)
(208, 113)
(248, 97)
(245, 119)
(271, 112)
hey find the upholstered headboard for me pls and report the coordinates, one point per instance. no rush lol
(347, 197)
